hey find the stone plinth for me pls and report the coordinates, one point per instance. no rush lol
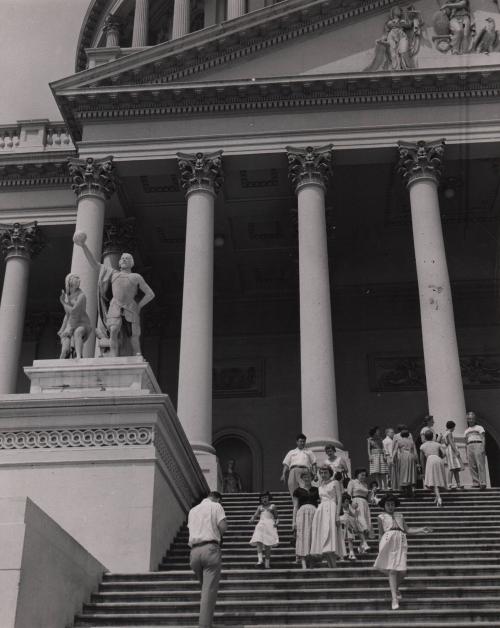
(112, 467)
(127, 375)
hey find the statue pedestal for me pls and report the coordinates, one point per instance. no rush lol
(128, 375)
(104, 455)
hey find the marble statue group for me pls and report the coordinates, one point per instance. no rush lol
(118, 327)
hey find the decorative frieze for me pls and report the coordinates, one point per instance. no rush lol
(165, 455)
(118, 237)
(92, 176)
(202, 171)
(420, 160)
(77, 438)
(21, 240)
(238, 378)
(309, 165)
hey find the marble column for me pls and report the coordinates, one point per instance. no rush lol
(118, 238)
(19, 243)
(182, 18)
(112, 31)
(235, 8)
(141, 24)
(93, 183)
(310, 171)
(420, 167)
(201, 177)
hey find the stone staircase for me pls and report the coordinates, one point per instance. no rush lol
(454, 576)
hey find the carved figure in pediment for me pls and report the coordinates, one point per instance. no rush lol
(454, 27)
(76, 326)
(487, 40)
(397, 49)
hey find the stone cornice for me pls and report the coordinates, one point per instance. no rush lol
(417, 87)
(18, 171)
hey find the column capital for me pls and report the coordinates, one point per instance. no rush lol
(112, 24)
(118, 236)
(310, 166)
(21, 240)
(92, 176)
(201, 171)
(420, 160)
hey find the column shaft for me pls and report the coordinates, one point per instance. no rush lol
(141, 23)
(442, 365)
(194, 405)
(319, 403)
(235, 8)
(12, 311)
(90, 219)
(182, 18)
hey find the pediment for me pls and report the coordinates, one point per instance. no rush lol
(312, 38)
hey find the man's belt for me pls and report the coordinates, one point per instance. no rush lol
(204, 543)
(298, 466)
(474, 442)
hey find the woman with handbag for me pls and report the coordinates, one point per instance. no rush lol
(432, 459)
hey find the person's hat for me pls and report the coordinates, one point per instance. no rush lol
(390, 497)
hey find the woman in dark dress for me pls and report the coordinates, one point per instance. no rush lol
(305, 502)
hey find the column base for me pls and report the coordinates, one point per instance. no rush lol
(209, 464)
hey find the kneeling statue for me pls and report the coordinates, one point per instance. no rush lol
(76, 327)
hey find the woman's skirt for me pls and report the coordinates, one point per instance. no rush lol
(434, 472)
(303, 527)
(378, 462)
(407, 468)
(452, 459)
(326, 533)
(392, 552)
(363, 517)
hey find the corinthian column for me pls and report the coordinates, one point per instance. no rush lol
(19, 243)
(141, 23)
(310, 171)
(420, 167)
(118, 239)
(201, 177)
(93, 183)
(112, 30)
(182, 17)
(235, 8)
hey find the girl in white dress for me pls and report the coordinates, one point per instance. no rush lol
(453, 458)
(432, 459)
(326, 530)
(265, 534)
(359, 491)
(393, 545)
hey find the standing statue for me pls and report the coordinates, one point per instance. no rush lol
(401, 41)
(454, 27)
(76, 326)
(232, 480)
(119, 318)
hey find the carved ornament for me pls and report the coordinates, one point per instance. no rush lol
(310, 166)
(420, 160)
(202, 171)
(92, 176)
(118, 237)
(21, 240)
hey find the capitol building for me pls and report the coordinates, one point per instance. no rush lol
(311, 191)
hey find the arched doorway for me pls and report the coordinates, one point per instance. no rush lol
(233, 447)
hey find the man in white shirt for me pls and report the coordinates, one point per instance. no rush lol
(474, 446)
(207, 524)
(388, 445)
(296, 462)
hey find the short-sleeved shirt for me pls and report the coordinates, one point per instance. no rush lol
(475, 433)
(300, 458)
(203, 521)
(388, 446)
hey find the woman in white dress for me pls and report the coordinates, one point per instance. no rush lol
(359, 491)
(453, 458)
(265, 534)
(432, 458)
(327, 538)
(393, 545)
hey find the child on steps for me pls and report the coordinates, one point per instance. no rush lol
(265, 534)
(349, 524)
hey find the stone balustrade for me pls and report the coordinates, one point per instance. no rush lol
(34, 136)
